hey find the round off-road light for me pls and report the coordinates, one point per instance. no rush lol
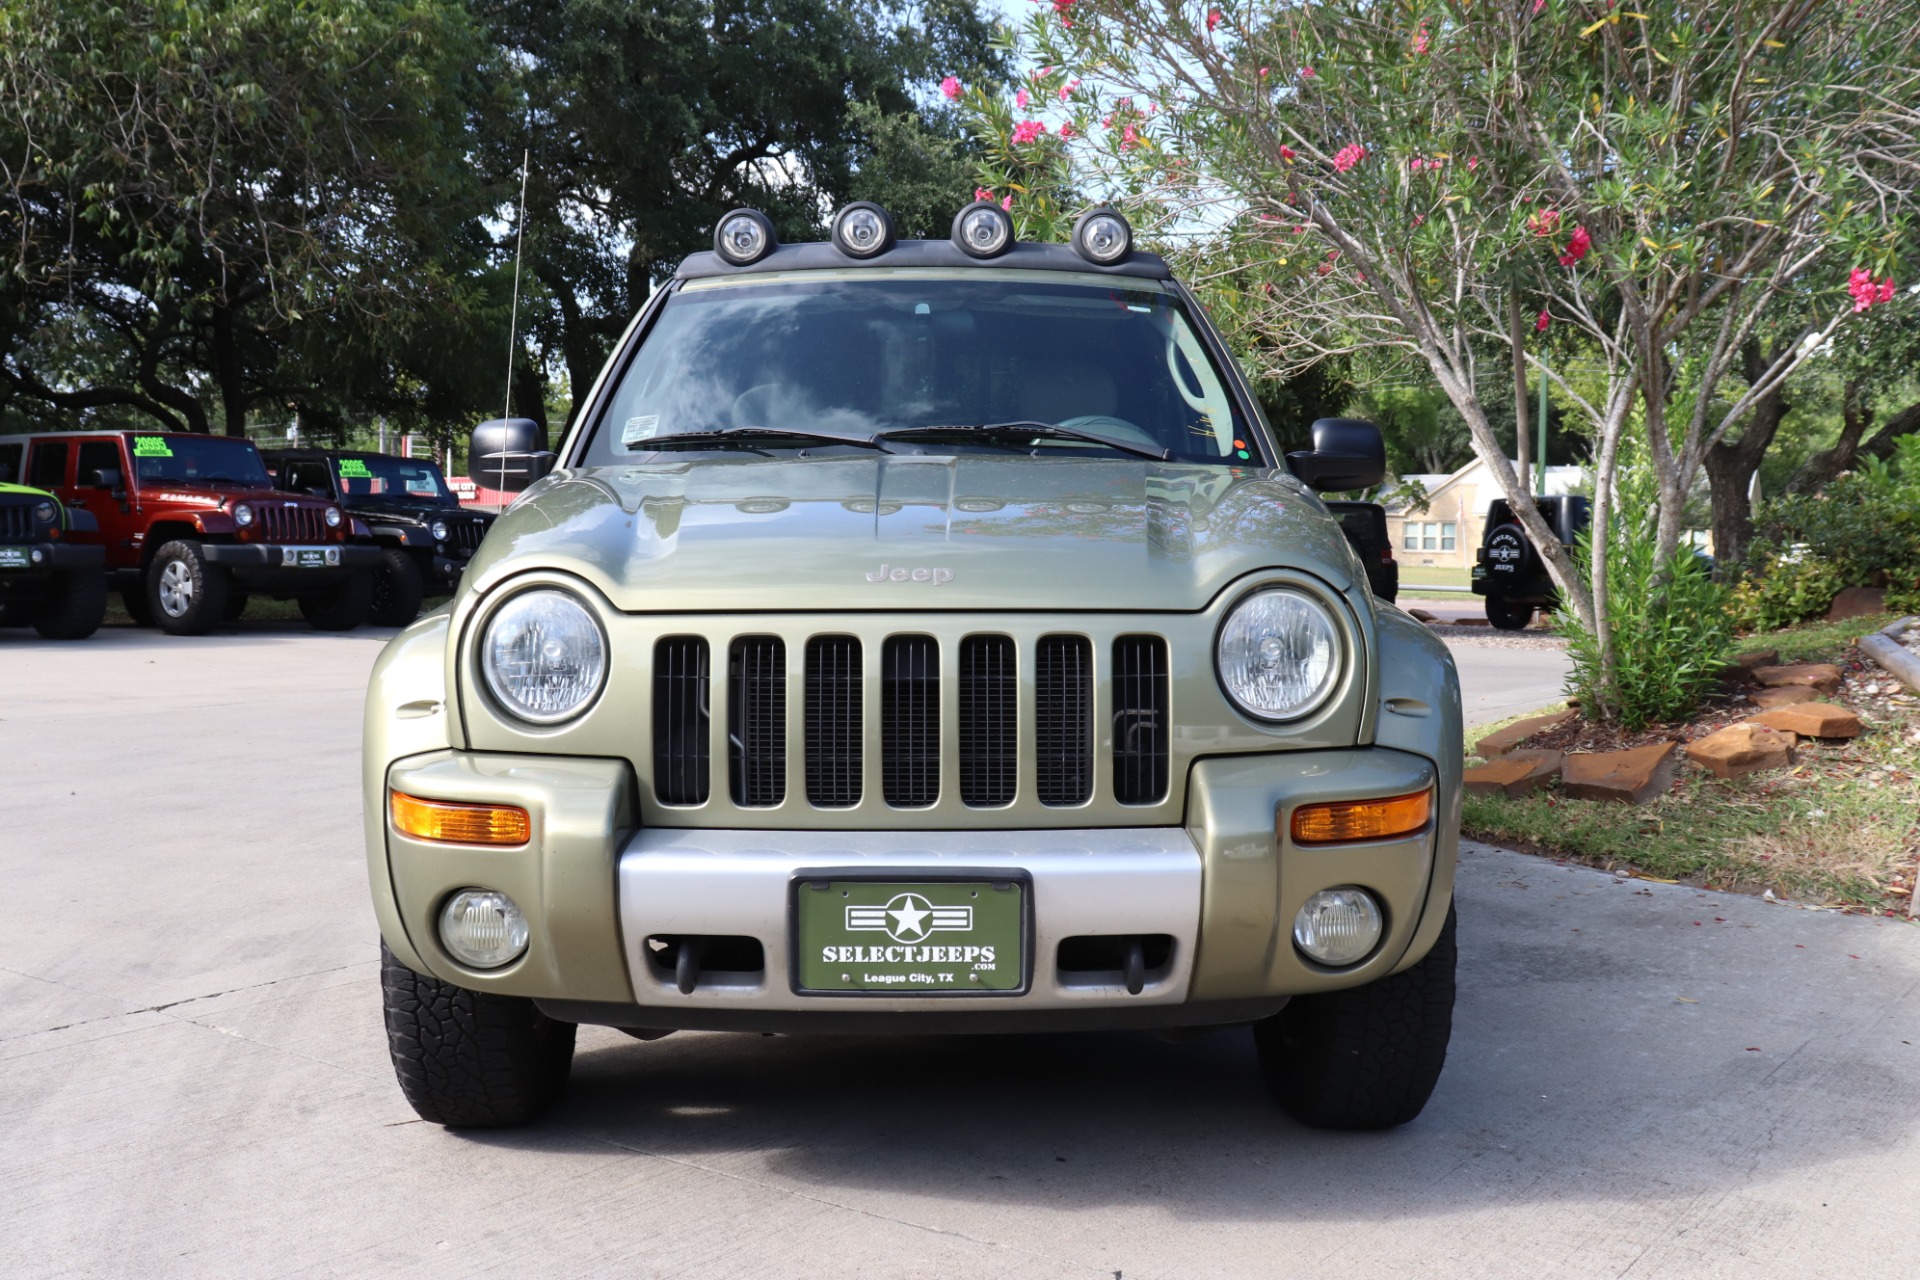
(863, 230)
(243, 515)
(333, 517)
(743, 237)
(483, 928)
(1278, 654)
(1338, 927)
(1102, 237)
(44, 512)
(439, 530)
(544, 655)
(983, 230)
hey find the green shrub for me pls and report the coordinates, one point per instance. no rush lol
(1864, 528)
(1785, 589)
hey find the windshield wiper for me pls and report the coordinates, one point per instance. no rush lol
(742, 435)
(1049, 430)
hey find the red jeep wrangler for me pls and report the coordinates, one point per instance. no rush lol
(192, 526)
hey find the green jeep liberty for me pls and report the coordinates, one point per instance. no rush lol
(917, 636)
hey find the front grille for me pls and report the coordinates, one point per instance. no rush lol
(464, 535)
(1063, 723)
(291, 524)
(680, 741)
(834, 728)
(1140, 728)
(757, 720)
(16, 522)
(910, 721)
(989, 723)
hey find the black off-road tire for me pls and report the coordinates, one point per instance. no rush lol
(340, 608)
(398, 589)
(1368, 1057)
(14, 614)
(469, 1059)
(73, 608)
(134, 601)
(186, 595)
(237, 602)
(1508, 615)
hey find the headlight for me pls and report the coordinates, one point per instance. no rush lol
(243, 515)
(45, 513)
(543, 655)
(1278, 654)
(333, 517)
(439, 530)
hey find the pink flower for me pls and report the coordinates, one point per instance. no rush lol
(1865, 291)
(1323, 269)
(1473, 162)
(1538, 5)
(1060, 7)
(1066, 131)
(1287, 154)
(1020, 99)
(1068, 88)
(1540, 323)
(950, 87)
(981, 193)
(1420, 40)
(1300, 230)
(1417, 164)
(1542, 223)
(1577, 247)
(1886, 291)
(1027, 131)
(1007, 204)
(1213, 19)
(1042, 72)
(1348, 156)
(1306, 73)
(1128, 138)
(1263, 72)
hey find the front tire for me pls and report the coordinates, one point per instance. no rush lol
(398, 589)
(1508, 615)
(185, 594)
(134, 601)
(470, 1059)
(73, 608)
(1367, 1057)
(342, 608)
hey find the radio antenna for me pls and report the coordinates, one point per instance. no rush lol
(513, 317)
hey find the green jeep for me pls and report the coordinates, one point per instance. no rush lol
(47, 582)
(912, 637)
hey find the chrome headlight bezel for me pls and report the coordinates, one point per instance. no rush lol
(1335, 635)
(439, 530)
(484, 657)
(46, 513)
(243, 515)
(333, 517)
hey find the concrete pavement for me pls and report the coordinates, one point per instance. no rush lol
(1645, 1080)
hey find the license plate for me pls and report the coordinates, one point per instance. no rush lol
(14, 558)
(304, 558)
(910, 937)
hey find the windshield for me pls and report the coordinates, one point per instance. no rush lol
(380, 476)
(872, 354)
(201, 460)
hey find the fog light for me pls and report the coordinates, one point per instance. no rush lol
(483, 928)
(1348, 821)
(38, 555)
(1338, 927)
(863, 230)
(446, 822)
(1102, 237)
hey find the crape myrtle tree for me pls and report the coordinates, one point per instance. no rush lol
(206, 205)
(1449, 180)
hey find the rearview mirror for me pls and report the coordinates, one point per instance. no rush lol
(1347, 453)
(508, 454)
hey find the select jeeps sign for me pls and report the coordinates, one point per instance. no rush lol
(1506, 550)
(909, 938)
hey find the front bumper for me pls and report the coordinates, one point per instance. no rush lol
(1225, 887)
(45, 560)
(269, 565)
(443, 576)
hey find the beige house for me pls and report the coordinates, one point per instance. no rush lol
(1445, 532)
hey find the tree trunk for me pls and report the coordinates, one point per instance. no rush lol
(228, 374)
(1730, 466)
(1823, 467)
(1517, 342)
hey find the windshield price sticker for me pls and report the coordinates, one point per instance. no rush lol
(354, 469)
(641, 428)
(151, 447)
(909, 937)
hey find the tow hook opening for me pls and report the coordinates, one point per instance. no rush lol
(688, 959)
(1132, 960)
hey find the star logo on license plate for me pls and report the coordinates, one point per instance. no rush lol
(908, 917)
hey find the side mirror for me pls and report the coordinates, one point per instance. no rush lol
(104, 478)
(1347, 453)
(508, 454)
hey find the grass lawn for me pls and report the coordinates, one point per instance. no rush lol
(1414, 576)
(1842, 826)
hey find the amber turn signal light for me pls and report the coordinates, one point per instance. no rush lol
(450, 823)
(1345, 821)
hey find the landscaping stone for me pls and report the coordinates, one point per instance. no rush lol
(1514, 774)
(1634, 776)
(1470, 622)
(1743, 667)
(1421, 615)
(1812, 720)
(1857, 602)
(1823, 676)
(1498, 744)
(1741, 749)
(1784, 696)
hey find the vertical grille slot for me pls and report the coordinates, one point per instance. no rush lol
(1140, 727)
(834, 730)
(16, 521)
(757, 720)
(465, 535)
(680, 742)
(910, 721)
(291, 524)
(1063, 724)
(989, 733)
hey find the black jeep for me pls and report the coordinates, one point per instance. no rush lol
(1365, 524)
(1508, 569)
(46, 580)
(426, 537)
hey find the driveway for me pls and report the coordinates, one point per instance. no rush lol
(1645, 1080)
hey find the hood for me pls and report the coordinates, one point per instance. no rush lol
(183, 491)
(899, 533)
(411, 512)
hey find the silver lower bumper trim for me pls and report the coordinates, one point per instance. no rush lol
(1119, 881)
